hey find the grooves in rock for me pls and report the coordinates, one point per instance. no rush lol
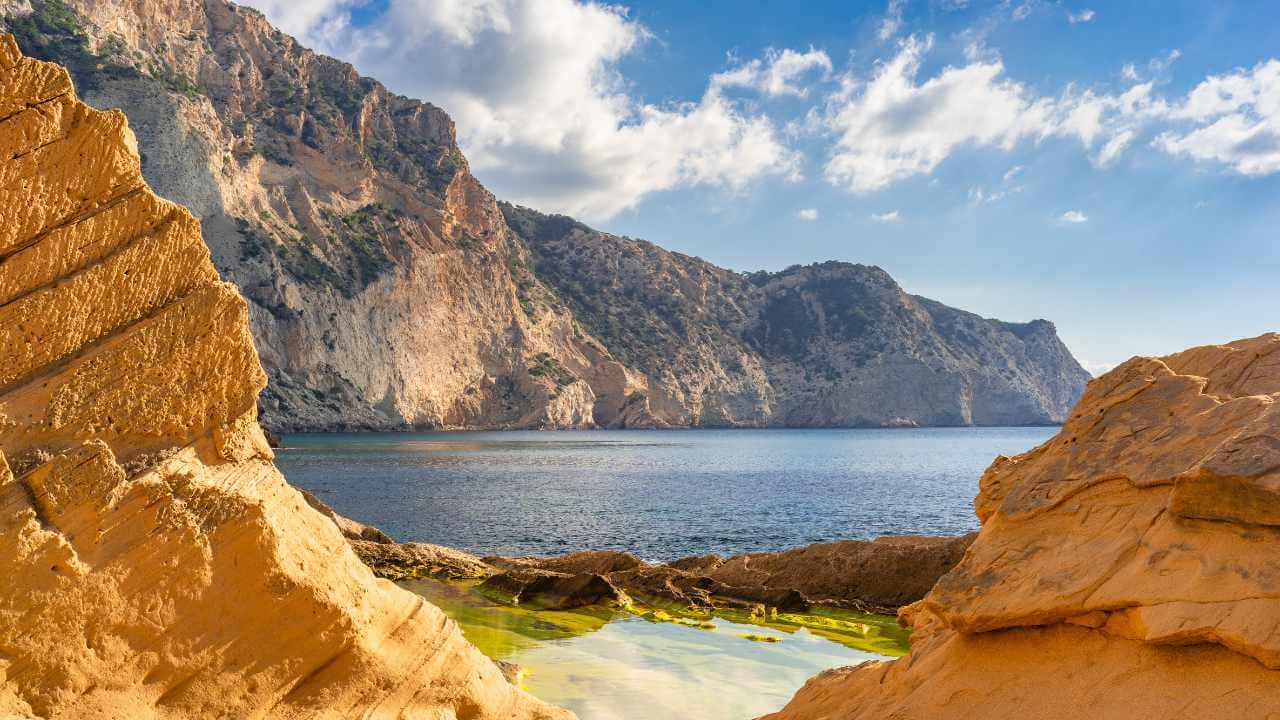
(1127, 568)
(155, 564)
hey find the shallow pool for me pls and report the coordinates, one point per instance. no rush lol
(607, 664)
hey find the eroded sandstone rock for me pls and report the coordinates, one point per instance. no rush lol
(1129, 567)
(154, 563)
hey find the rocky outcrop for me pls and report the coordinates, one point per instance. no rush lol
(878, 576)
(155, 563)
(832, 344)
(387, 291)
(1126, 568)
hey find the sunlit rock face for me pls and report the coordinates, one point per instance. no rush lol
(154, 562)
(1129, 567)
(387, 289)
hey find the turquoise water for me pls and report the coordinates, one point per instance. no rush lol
(658, 494)
(609, 665)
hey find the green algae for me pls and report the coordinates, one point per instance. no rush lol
(649, 658)
(879, 634)
(501, 629)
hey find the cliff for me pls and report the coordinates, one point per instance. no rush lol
(832, 344)
(386, 289)
(155, 563)
(1126, 568)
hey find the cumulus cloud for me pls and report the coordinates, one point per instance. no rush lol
(887, 218)
(1073, 217)
(891, 126)
(777, 74)
(1236, 119)
(807, 213)
(1083, 16)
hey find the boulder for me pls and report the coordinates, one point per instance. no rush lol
(155, 563)
(547, 590)
(1128, 567)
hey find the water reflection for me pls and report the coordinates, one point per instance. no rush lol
(610, 665)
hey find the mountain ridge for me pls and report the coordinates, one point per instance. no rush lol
(389, 290)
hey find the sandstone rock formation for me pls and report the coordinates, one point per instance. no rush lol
(154, 562)
(386, 289)
(1129, 567)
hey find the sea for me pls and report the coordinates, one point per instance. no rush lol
(659, 494)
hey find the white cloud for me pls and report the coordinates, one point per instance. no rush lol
(892, 21)
(1083, 16)
(544, 115)
(807, 213)
(1238, 119)
(887, 217)
(1013, 172)
(1022, 11)
(1129, 72)
(776, 74)
(979, 196)
(891, 126)
(1074, 217)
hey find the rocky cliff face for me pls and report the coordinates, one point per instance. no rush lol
(832, 344)
(387, 290)
(1126, 568)
(155, 563)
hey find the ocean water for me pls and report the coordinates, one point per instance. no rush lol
(661, 494)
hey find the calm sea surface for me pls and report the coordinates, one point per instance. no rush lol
(659, 494)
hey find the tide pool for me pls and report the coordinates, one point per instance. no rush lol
(609, 664)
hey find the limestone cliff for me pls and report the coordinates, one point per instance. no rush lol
(386, 289)
(832, 344)
(1126, 568)
(154, 562)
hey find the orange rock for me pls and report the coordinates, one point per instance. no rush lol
(155, 564)
(1129, 567)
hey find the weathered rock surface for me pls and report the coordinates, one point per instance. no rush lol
(878, 576)
(155, 564)
(1129, 567)
(831, 344)
(387, 290)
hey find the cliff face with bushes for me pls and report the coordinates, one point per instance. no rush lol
(1126, 568)
(823, 345)
(155, 563)
(387, 289)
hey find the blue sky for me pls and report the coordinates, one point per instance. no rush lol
(1113, 167)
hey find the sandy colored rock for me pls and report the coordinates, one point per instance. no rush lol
(155, 563)
(1129, 567)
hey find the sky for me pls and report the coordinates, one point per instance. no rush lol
(1113, 167)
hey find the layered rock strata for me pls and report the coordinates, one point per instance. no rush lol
(1129, 567)
(155, 564)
